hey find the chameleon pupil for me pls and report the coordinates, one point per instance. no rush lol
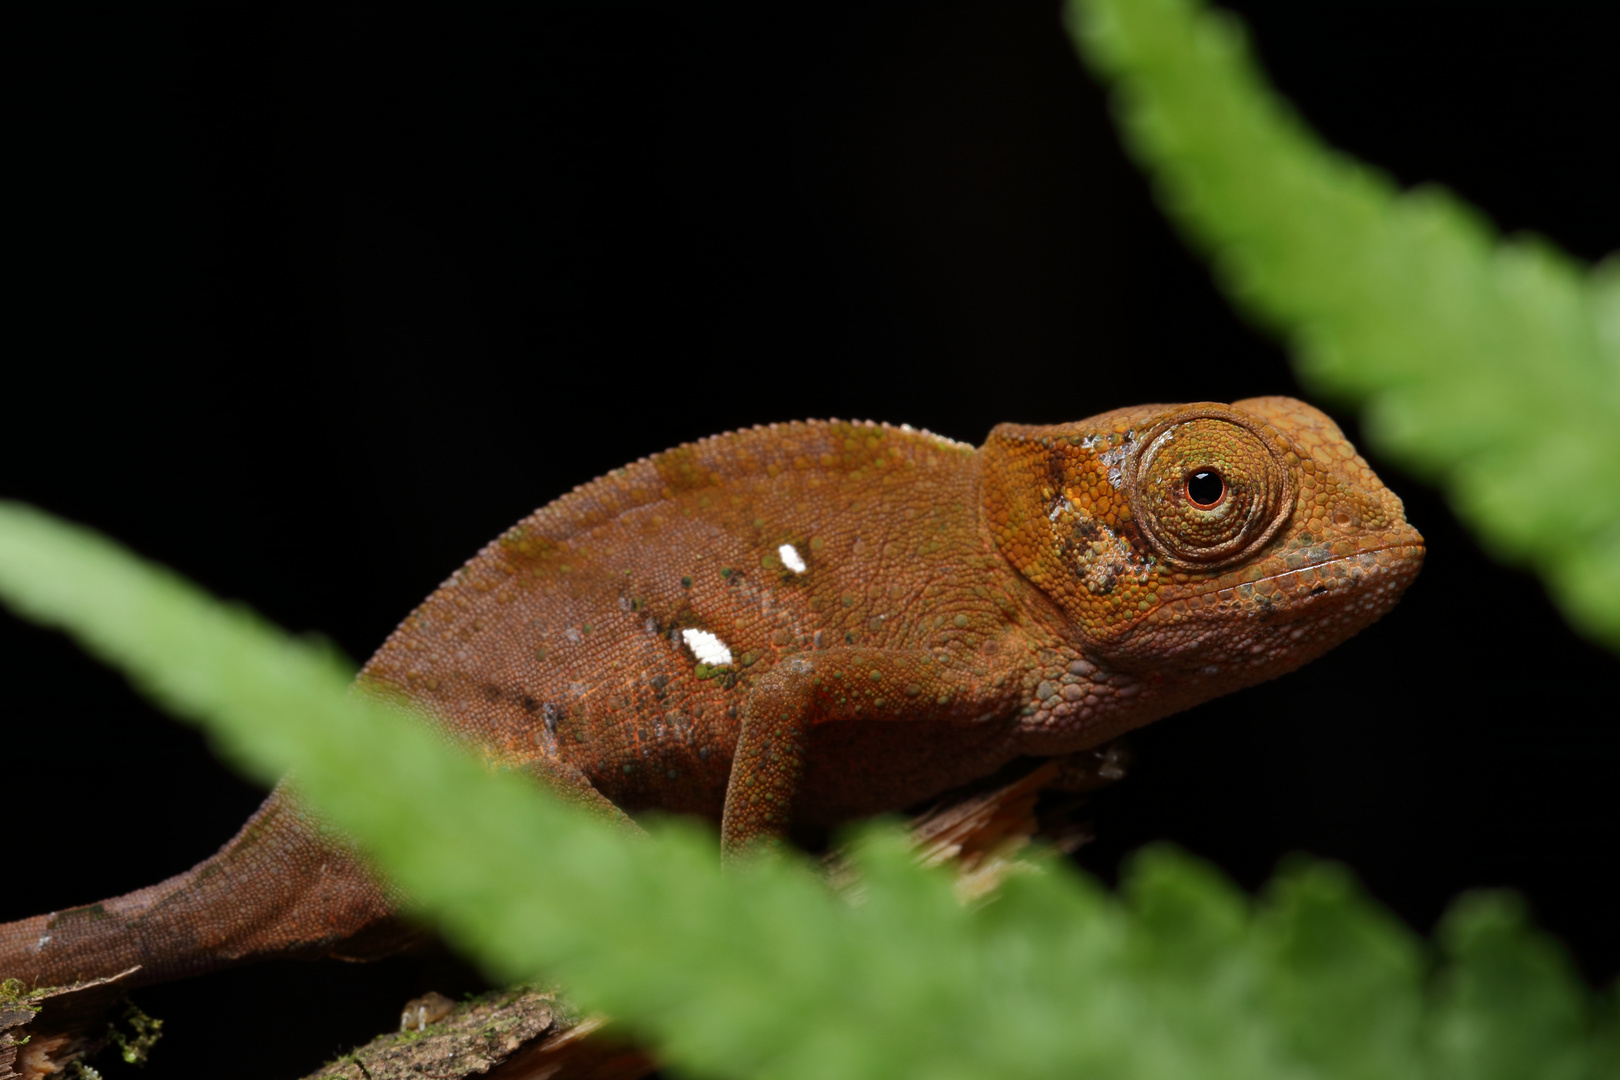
(1205, 488)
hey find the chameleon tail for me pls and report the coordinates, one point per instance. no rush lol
(277, 889)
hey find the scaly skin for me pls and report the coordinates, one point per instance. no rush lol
(903, 614)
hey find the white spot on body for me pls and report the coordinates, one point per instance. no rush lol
(706, 647)
(791, 558)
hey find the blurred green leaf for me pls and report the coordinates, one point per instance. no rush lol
(1508, 1006)
(767, 972)
(1336, 965)
(1491, 366)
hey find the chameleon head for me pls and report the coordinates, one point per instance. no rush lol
(1206, 546)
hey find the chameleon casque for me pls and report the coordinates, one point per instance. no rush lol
(813, 622)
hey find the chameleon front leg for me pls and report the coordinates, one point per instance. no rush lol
(769, 760)
(778, 711)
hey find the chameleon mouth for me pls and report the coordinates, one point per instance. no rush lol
(1402, 556)
(1300, 605)
(1374, 573)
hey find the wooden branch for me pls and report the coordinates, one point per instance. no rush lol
(524, 1033)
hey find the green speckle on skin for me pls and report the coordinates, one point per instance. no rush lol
(686, 581)
(817, 543)
(960, 621)
(875, 674)
(586, 628)
(749, 658)
(702, 671)
(726, 571)
(629, 769)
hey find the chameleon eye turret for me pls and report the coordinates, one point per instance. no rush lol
(1209, 486)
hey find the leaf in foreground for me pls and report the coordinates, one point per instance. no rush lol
(767, 972)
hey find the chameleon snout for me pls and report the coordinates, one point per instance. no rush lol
(1279, 613)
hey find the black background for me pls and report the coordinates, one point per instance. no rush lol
(284, 286)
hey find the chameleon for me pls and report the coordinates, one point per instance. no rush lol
(803, 624)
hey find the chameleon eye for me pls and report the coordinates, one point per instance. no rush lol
(1207, 490)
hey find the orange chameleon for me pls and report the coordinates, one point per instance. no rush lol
(809, 623)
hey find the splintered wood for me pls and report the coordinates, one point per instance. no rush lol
(78, 1026)
(524, 1033)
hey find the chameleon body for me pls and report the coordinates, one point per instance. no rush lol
(813, 622)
